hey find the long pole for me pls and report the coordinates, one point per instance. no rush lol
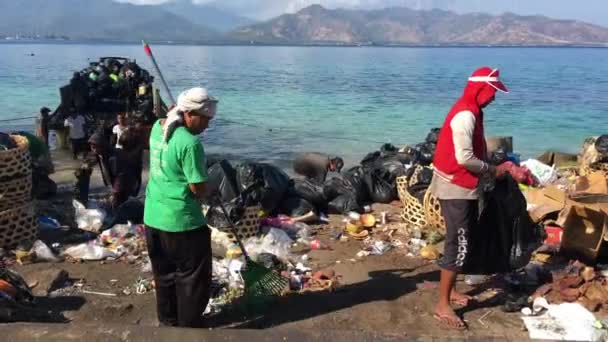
(158, 72)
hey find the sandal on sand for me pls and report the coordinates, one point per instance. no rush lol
(450, 322)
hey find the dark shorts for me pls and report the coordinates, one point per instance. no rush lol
(461, 217)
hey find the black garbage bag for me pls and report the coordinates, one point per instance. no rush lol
(344, 204)
(43, 187)
(433, 135)
(380, 187)
(309, 190)
(371, 158)
(505, 237)
(349, 183)
(130, 211)
(388, 148)
(381, 180)
(222, 181)
(426, 152)
(273, 183)
(295, 206)
(394, 166)
(418, 191)
(355, 176)
(337, 186)
(601, 145)
(216, 218)
(6, 142)
(424, 177)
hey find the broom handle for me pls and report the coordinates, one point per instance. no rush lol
(233, 228)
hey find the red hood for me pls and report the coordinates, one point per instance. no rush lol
(478, 93)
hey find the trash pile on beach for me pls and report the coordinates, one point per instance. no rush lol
(106, 87)
(282, 220)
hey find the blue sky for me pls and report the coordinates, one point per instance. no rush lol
(595, 11)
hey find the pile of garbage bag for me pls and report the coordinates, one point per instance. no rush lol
(105, 87)
(373, 181)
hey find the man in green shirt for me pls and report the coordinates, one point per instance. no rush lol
(177, 236)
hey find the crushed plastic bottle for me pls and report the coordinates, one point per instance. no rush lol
(472, 279)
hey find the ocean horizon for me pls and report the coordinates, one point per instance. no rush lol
(277, 101)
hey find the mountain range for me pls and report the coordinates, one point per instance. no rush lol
(107, 20)
(183, 21)
(404, 26)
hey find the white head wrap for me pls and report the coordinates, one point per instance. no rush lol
(191, 100)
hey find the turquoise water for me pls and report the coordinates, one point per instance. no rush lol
(342, 100)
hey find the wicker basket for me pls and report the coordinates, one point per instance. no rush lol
(413, 211)
(17, 225)
(17, 190)
(432, 210)
(16, 162)
(247, 227)
(586, 170)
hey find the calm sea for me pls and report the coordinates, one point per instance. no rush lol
(345, 101)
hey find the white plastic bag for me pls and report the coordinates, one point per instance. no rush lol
(276, 242)
(90, 251)
(88, 219)
(564, 322)
(543, 173)
(43, 252)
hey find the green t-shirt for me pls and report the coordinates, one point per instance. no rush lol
(170, 205)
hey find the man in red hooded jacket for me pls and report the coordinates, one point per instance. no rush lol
(460, 161)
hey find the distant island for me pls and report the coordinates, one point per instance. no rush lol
(182, 21)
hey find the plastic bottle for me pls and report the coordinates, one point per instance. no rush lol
(472, 279)
(316, 244)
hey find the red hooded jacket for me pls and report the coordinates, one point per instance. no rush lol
(445, 162)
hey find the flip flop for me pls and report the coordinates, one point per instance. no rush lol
(450, 322)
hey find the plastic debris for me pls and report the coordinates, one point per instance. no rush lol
(430, 252)
(543, 173)
(88, 219)
(380, 247)
(90, 251)
(42, 252)
(49, 223)
(567, 321)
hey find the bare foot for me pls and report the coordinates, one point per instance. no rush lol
(460, 299)
(448, 318)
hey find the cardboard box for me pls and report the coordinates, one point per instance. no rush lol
(544, 202)
(585, 223)
(595, 183)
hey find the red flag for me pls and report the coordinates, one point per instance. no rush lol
(147, 48)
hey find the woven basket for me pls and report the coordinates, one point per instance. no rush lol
(432, 210)
(586, 170)
(16, 162)
(413, 211)
(17, 190)
(415, 177)
(17, 225)
(247, 227)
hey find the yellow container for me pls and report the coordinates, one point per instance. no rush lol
(354, 228)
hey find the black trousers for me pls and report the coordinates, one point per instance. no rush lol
(181, 263)
(78, 146)
(461, 219)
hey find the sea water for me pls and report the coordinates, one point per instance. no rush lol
(278, 101)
